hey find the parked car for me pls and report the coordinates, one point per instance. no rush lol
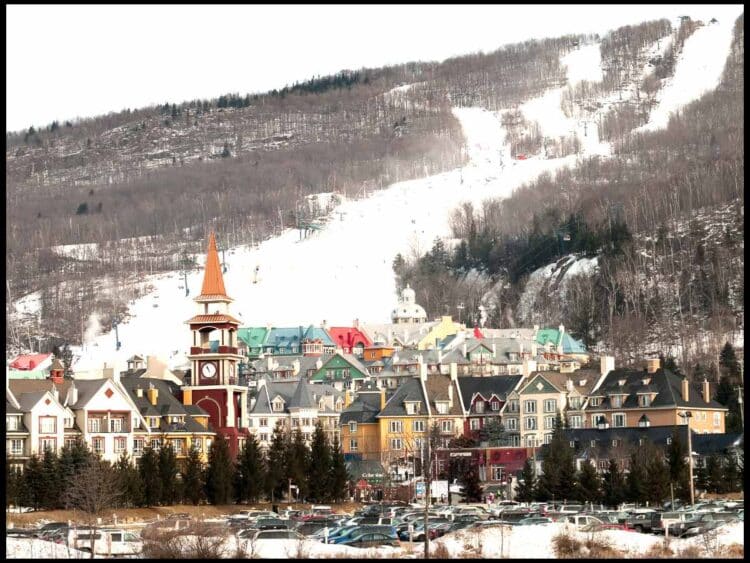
(49, 528)
(579, 519)
(277, 535)
(309, 527)
(531, 520)
(594, 527)
(639, 522)
(661, 520)
(20, 533)
(272, 524)
(372, 539)
(252, 515)
(702, 522)
(107, 541)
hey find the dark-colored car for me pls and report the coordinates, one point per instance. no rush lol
(50, 528)
(309, 527)
(272, 524)
(702, 522)
(372, 539)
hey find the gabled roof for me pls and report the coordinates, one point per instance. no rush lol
(666, 384)
(166, 401)
(254, 336)
(499, 385)
(302, 398)
(437, 386)
(364, 409)
(569, 344)
(409, 390)
(360, 371)
(87, 388)
(538, 383)
(348, 336)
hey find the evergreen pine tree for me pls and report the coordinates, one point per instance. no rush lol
(714, 475)
(276, 457)
(589, 483)
(636, 479)
(249, 473)
(220, 472)
(613, 485)
(49, 494)
(33, 483)
(731, 474)
(339, 482)
(657, 474)
(192, 479)
(701, 478)
(472, 488)
(558, 479)
(168, 471)
(12, 485)
(297, 456)
(678, 467)
(728, 361)
(128, 481)
(148, 467)
(319, 472)
(525, 489)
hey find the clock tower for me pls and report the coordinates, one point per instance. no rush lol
(214, 357)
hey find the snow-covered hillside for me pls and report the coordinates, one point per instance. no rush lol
(344, 271)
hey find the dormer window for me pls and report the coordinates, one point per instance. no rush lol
(412, 407)
(595, 401)
(479, 406)
(644, 400)
(495, 405)
(646, 380)
(278, 405)
(621, 382)
(615, 401)
(339, 405)
(442, 407)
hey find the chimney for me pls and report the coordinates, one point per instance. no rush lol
(187, 396)
(494, 350)
(569, 385)
(454, 371)
(295, 367)
(269, 362)
(464, 349)
(422, 371)
(685, 390)
(153, 394)
(706, 391)
(450, 395)
(55, 393)
(72, 398)
(528, 367)
(607, 364)
(382, 398)
(652, 365)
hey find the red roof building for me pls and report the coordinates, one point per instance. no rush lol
(28, 362)
(348, 338)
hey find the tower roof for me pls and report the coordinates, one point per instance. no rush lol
(213, 280)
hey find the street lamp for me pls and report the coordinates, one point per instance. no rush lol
(687, 415)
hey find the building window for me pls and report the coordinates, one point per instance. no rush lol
(116, 425)
(70, 442)
(547, 438)
(47, 443)
(474, 423)
(512, 423)
(497, 472)
(574, 403)
(263, 437)
(442, 407)
(418, 426)
(515, 441)
(495, 405)
(278, 406)
(47, 425)
(530, 423)
(178, 445)
(12, 423)
(529, 406)
(576, 421)
(263, 422)
(618, 420)
(95, 425)
(153, 422)
(530, 441)
(603, 465)
(120, 444)
(352, 427)
(717, 419)
(395, 443)
(592, 443)
(479, 406)
(68, 422)
(15, 446)
(137, 446)
(549, 422)
(353, 445)
(155, 444)
(513, 405)
(97, 445)
(595, 401)
(616, 401)
(395, 426)
(644, 400)
(550, 405)
(616, 443)
(446, 426)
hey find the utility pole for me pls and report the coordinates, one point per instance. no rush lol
(739, 402)
(460, 308)
(427, 470)
(687, 415)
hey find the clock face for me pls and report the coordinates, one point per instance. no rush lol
(208, 369)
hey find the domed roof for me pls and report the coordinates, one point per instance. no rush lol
(407, 308)
(408, 295)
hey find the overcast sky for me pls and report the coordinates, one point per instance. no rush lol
(70, 61)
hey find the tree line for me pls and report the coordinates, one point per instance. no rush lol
(158, 478)
(652, 476)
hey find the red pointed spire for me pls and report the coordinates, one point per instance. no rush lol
(213, 280)
(478, 333)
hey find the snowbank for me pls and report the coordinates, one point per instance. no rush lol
(27, 548)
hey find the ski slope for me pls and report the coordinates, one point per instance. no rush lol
(344, 272)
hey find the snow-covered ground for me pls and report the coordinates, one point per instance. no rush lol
(344, 272)
(515, 542)
(698, 70)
